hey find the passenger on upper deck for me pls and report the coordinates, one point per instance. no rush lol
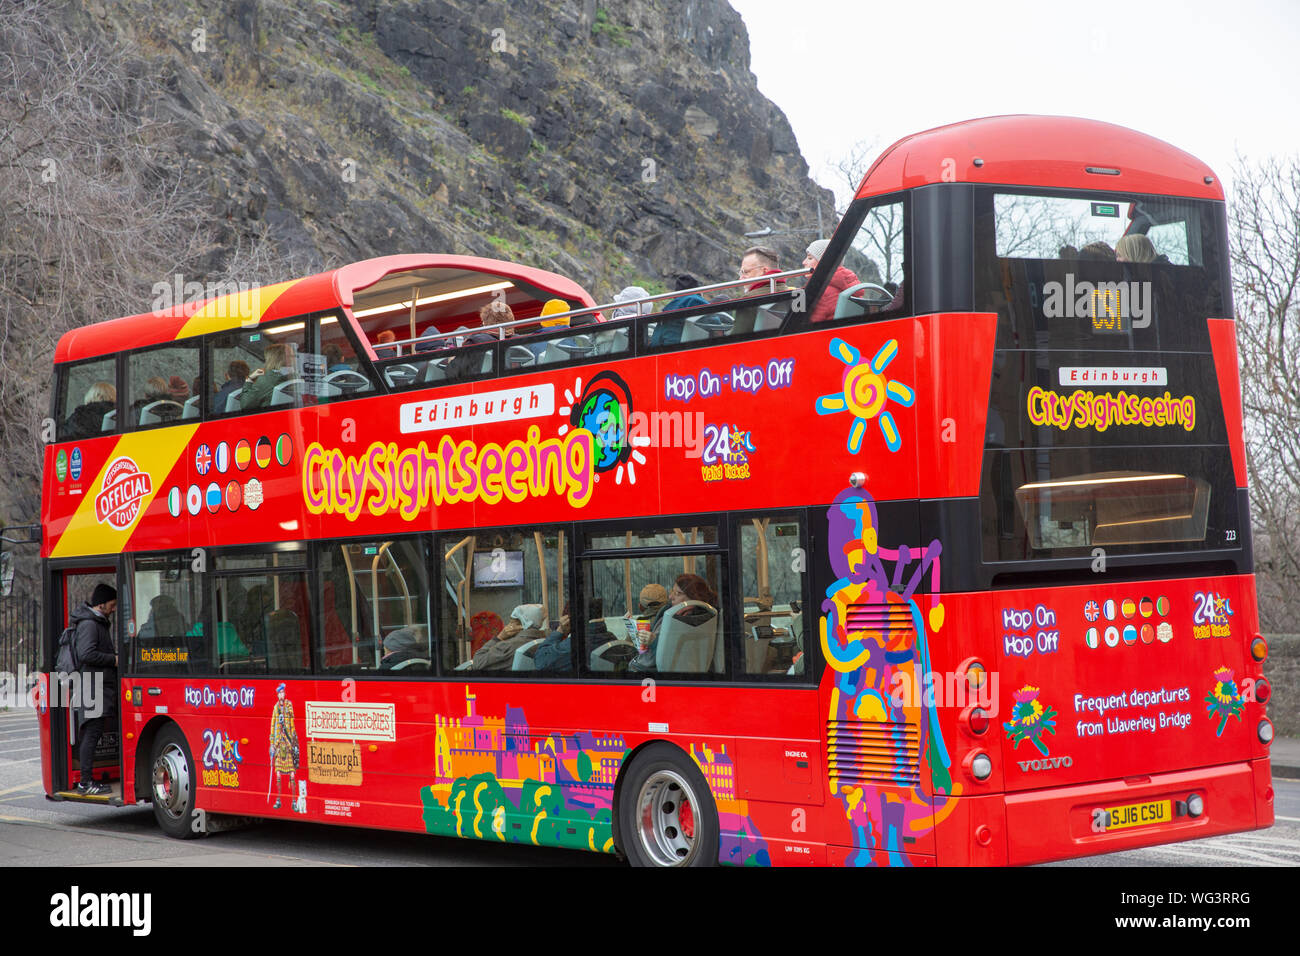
(280, 367)
(631, 294)
(236, 375)
(385, 344)
(669, 331)
(840, 280)
(158, 394)
(760, 261)
(334, 359)
(1099, 251)
(87, 419)
(1135, 248)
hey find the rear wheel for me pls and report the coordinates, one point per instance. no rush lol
(667, 816)
(173, 784)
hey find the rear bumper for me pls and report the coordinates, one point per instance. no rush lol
(1061, 823)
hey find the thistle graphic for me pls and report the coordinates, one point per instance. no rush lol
(1029, 721)
(1225, 700)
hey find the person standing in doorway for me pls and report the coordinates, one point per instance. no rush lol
(96, 660)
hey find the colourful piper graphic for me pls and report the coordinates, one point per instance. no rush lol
(864, 392)
(1225, 700)
(874, 635)
(1029, 720)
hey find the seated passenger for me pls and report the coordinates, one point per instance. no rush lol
(669, 331)
(552, 307)
(87, 419)
(385, 344)
(1099, 251)
(840, 280)
(164, 619)
(526, 623)
(334, 359)
(555, 653)
(631, 294)
(1135, 248)
(157, 389)
(687, 587)
(236, 376)
(279, 368)
(404, 644)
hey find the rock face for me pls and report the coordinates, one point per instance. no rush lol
(614, 143)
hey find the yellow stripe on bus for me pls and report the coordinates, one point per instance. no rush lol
(154, 453)
(232, 311)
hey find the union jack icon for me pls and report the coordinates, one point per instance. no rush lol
(1091, 611)
(203, 459)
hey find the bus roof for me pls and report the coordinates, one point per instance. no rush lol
(1049, 151)
(336, 288)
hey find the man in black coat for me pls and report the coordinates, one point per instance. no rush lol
(94, 654)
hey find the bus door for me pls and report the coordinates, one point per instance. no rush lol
(71, 589)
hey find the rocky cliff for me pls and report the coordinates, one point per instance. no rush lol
(614, 143)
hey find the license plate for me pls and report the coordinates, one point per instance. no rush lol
(1138, 814)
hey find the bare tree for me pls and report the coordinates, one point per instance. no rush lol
(1265, 245)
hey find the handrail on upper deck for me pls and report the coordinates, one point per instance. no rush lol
(500, 329)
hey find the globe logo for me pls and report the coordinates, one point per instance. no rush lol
(601, 414)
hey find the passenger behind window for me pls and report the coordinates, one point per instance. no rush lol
(385, 344)
(164, 620)
(526, 624)
(556, 652)
(840, 280)
(1135, 248)
(159, 403)
(279, 368)
(334, 359)
(405, 647)
(236, 376)
(88, 419)
(1097, 251)
(669, 331)
(687, 587)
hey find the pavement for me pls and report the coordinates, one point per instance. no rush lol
(1285, 755)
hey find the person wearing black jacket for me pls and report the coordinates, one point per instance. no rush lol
(94, 653)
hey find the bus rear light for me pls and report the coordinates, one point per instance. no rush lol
(1263, 691)
(1265, 731)
(1259, 648)
(981, 767)
(975, 674)
(978, 721)
(1101, 170)
(1195, 805)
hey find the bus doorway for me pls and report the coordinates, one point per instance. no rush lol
(75, 699)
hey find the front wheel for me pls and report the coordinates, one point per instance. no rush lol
(173, 785)
(667, 816)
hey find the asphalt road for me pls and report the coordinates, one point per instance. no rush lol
(38, 832)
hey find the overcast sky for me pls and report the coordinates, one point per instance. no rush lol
(1208, 77)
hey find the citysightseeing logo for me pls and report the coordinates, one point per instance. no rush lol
(386, 479)
(125, 486)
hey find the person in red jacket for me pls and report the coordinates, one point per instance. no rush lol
(841, 279)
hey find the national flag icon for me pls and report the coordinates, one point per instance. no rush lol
(284, 449)
(1130, 634)
(1148, 633)
(223, 457)
(203, 459)
(234, 495)
(1129, 608)
(174, 502)
(193, 500)
(1091, 637)
(1092, 611)
(263, 452)
(1109, 610)
(1112, 636)
(243, 454)
(1162, 606)
(1146, 607)
(213, 497)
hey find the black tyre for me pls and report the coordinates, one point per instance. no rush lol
(666, 814)
(173, 783)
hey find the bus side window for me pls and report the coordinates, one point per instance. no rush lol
(87, 400)
(772, 579)
(504, 596)
(374, 608)
(168, 613)
(161, 384)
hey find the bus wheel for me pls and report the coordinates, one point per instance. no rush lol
(667, 816)
(173, 784)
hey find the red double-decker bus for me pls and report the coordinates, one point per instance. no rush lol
(943, 558)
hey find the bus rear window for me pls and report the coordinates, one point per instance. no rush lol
(1151, 229)
(1112, 508)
